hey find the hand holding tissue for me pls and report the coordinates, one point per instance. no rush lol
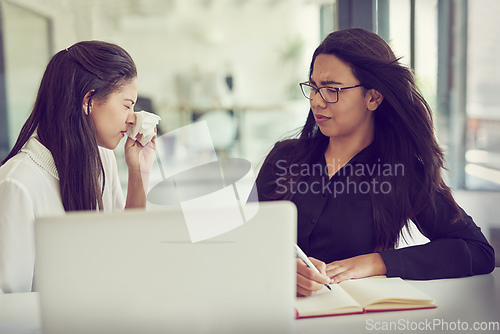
(145, 124)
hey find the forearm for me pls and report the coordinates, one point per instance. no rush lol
(356, 267)
(457, 248)
(444, 258)
(137, 190)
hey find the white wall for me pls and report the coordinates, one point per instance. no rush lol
(482, 206)
(266, 45)
(249, 38)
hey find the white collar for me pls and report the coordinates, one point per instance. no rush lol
(41, 156)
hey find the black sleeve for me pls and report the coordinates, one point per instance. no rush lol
(456, 248)
(268, 174)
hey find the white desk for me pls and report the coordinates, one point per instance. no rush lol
(461, 302)
(19, 313)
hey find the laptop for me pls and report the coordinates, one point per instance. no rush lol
(139, 272)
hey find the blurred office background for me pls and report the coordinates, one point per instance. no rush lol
(237, 65)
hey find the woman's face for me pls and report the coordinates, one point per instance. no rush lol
(113, 116)
(351, 118)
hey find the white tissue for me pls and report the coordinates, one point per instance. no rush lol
(144, 124)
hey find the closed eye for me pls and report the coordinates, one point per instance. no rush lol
(132, 102)
(331, 90)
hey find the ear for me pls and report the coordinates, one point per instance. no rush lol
(86, 101)
(373, 99)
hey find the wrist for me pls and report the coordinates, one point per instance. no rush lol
(379, 264)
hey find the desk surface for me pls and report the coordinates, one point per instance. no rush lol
(462, 303)
(465, 305)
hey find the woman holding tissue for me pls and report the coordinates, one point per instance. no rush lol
(365, 164)
(62, 160)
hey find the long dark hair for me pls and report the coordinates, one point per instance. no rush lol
(404, 132)
(64, 127)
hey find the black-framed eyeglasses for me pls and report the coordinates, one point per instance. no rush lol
(329, 94)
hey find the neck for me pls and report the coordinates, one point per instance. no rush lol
(342, 150)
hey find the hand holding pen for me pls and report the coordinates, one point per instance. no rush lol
(307, 284)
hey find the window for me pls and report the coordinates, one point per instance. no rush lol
(453, 47)
(483, 104)
(25, 48)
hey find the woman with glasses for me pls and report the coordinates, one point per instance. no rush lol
(365, 164)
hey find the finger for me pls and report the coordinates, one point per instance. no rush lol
(320, 265)
(333, 270)
(301, 292)
(333, 264)
(153, 142)
(343, 276)
(311, 274)
(338, 273)
(130, 142)
(307, 287)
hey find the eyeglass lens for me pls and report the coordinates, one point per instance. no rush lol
(328, 94)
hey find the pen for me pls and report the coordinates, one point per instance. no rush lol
(303, 257)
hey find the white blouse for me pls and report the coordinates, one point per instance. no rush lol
(29, 188)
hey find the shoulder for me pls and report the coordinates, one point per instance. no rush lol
(16, 181)
(27, 188)
(289, 143)
(12, 165)
(20, 168)
(22, 176)
(287, 148)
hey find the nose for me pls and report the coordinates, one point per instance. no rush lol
(131, 117)
(318, 101)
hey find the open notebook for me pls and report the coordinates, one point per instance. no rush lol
(371, 294)
(139, 272)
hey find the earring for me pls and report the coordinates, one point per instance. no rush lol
(88, 110)
(88, 106)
